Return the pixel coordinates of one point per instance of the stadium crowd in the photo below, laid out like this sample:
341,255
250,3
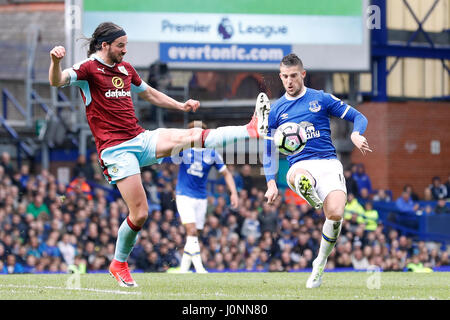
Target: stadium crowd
46,226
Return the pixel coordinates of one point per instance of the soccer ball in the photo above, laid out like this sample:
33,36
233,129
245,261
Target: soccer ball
290,138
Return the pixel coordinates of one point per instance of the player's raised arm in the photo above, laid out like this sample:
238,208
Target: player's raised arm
56,76
160,99
339,109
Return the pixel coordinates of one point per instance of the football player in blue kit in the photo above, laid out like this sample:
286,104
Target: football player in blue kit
191,197
315,173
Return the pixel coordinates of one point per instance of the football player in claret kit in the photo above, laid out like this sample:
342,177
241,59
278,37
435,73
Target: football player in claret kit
191,197
123,146
315,173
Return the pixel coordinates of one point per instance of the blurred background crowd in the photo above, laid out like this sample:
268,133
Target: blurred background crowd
46,226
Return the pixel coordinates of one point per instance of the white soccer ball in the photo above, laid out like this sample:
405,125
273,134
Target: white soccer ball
290,138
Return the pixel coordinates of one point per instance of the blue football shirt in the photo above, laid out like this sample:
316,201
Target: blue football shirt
194,169
313,108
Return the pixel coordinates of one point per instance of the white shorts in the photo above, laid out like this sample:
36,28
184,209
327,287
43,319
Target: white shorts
328,173
127,158
192,210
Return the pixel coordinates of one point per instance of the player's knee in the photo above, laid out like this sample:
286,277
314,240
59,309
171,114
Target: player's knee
334,212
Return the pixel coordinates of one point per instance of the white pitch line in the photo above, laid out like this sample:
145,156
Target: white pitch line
75,289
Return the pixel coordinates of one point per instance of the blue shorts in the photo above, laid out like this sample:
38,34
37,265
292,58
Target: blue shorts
127,158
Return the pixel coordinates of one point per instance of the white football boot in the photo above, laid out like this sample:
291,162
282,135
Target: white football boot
315,279
262,109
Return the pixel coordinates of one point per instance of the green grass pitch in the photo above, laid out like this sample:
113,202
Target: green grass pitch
229,286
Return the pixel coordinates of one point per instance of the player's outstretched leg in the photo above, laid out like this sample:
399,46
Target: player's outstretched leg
171,141
256,128
334,209
304,187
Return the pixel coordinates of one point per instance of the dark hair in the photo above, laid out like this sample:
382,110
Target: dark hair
291,60
103,29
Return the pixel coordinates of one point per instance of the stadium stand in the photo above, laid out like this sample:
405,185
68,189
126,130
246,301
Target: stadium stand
50,227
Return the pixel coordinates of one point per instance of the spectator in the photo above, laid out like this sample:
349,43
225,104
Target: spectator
150,187
167,198
353,207
67,250
370,216
83,167
50,248
247,180
362,179
6,163
441,206
438,190
152,264
364,195
268,218
80,187
12,266
3,269
359,261
447,186
251,225
405,204
408,188
350,183
30,264
381,195
24,174
38,207
286,241
97,172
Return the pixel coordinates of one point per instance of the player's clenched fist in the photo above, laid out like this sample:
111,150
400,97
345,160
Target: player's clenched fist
191,105
57,53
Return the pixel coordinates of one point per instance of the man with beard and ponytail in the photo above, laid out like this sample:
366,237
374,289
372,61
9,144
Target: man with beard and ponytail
123,146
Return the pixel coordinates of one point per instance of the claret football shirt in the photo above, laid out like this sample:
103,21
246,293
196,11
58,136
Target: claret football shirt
106,92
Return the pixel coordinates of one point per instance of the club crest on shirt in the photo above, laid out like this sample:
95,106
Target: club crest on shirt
314,106
114,169
284,116
123,70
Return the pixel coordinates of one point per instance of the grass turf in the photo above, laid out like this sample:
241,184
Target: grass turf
229,286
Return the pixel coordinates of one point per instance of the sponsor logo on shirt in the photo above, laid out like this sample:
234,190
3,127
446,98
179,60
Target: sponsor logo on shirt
117,82
311,131
117,93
